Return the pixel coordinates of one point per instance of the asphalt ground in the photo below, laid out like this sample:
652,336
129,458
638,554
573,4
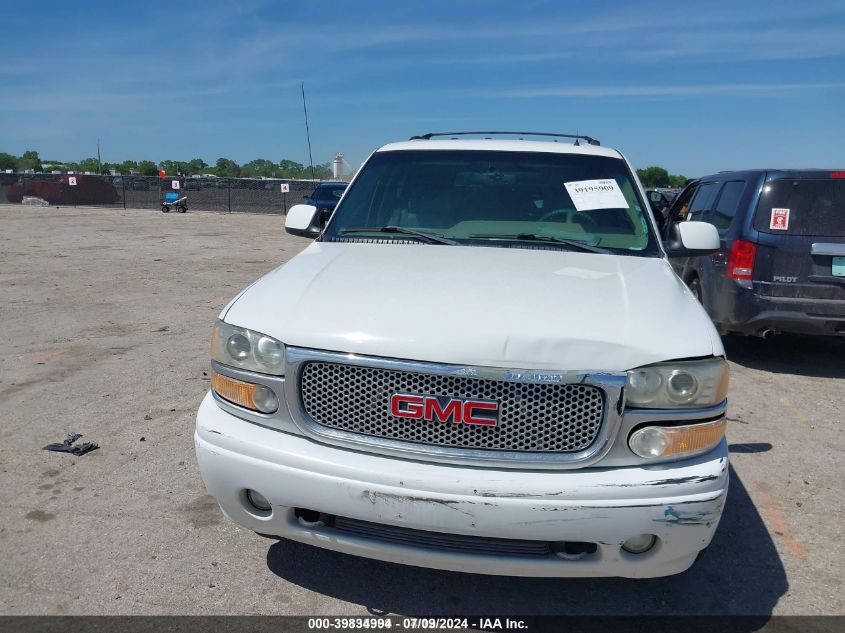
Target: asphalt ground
106,317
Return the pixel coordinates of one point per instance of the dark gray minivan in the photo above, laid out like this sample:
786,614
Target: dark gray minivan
781,266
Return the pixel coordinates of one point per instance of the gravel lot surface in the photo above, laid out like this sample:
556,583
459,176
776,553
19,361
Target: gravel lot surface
106,320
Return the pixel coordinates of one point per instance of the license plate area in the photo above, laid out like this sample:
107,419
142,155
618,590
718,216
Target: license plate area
838,267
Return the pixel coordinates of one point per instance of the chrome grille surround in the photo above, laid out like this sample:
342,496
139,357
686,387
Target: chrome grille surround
532,404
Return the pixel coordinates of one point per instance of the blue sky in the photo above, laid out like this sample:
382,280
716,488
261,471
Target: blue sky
694,88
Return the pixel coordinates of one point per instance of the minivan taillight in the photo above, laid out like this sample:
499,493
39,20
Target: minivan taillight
741,259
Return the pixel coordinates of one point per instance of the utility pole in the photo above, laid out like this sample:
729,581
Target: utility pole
307,131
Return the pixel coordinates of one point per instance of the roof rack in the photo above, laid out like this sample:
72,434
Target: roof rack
589,139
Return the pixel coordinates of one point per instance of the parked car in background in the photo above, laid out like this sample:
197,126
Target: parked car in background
781,265
660,199
326,195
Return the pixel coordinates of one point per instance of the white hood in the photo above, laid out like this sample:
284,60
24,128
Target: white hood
486,306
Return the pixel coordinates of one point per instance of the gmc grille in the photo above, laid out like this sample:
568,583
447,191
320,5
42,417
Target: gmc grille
540,418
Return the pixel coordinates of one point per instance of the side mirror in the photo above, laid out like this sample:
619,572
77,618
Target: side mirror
691,239
304,220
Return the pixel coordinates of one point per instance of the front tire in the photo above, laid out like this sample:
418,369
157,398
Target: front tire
165,208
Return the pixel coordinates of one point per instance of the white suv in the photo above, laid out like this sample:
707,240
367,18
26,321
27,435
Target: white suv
484,363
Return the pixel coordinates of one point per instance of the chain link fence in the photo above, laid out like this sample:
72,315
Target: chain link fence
147,192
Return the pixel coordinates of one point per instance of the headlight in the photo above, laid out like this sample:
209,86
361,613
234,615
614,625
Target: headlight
678,385
239,347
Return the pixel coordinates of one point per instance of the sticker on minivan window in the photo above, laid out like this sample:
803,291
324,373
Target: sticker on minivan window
780,219
588,195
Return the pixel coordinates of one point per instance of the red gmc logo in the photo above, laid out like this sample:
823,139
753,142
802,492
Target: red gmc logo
444,409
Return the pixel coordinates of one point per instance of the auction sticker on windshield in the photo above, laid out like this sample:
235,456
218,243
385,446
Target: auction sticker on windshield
588,195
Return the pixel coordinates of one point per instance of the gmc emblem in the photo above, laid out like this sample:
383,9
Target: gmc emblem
444,409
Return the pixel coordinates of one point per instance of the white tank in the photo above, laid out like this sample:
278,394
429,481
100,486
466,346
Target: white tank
337,167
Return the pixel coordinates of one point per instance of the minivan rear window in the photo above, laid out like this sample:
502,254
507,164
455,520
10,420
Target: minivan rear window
803,207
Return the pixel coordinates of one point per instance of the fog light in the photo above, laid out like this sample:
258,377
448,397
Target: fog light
639,544
258,501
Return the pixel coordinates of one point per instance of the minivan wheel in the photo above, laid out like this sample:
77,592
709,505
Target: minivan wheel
695,288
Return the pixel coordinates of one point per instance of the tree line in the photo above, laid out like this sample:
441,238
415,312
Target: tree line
659,177
224,167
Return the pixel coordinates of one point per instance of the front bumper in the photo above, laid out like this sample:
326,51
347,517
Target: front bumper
680,502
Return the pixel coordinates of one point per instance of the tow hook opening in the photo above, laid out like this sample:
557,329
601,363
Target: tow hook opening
573,550
310,518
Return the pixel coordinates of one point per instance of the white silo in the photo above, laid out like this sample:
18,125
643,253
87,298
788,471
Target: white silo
337,167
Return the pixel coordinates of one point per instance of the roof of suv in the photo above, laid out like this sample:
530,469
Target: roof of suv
502,146
789,173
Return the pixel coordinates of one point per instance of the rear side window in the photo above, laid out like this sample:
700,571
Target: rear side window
328,193
703,200
728,204
802,207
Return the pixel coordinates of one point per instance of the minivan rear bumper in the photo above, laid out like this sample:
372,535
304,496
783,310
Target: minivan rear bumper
748,312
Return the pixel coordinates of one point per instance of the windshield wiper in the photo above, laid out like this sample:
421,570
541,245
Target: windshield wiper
535,237
431,238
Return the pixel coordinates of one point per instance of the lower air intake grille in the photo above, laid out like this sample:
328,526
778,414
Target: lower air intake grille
438,540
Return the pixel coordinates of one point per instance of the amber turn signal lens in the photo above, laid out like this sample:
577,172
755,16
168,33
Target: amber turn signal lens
677,441
245,394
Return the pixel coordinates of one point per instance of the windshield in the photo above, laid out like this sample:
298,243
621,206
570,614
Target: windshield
492,198
802,207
